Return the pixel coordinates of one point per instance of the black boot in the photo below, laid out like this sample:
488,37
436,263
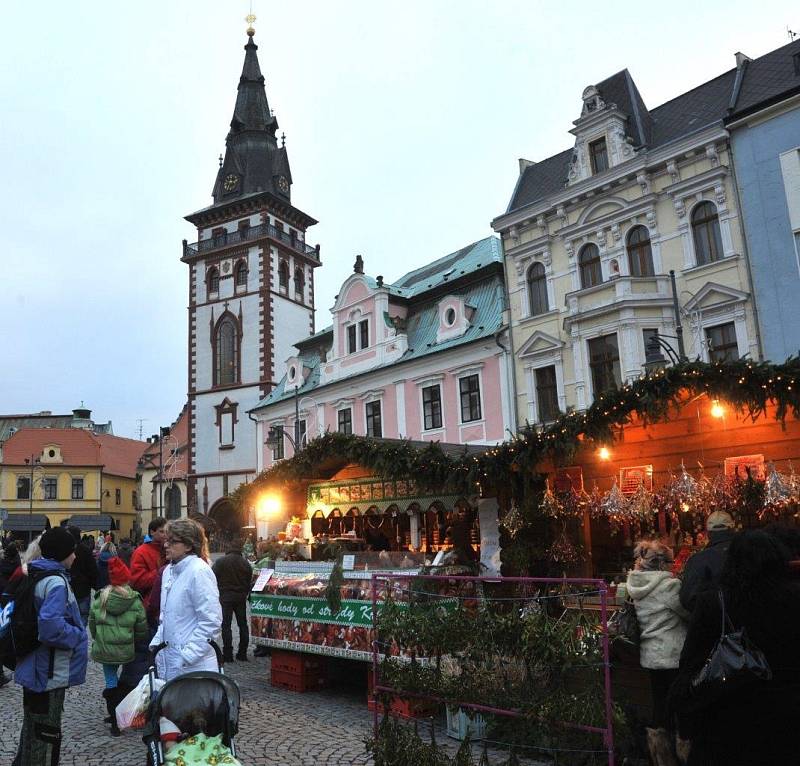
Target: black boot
227,655
110,696
241,655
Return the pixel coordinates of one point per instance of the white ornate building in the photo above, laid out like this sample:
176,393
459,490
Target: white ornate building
251,295
591,234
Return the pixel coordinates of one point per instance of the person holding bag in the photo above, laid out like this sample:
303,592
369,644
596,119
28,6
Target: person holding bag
191,614
751,721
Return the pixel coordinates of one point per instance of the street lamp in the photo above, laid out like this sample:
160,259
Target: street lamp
35,464
654,359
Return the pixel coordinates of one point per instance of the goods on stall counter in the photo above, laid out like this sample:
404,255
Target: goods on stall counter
294,529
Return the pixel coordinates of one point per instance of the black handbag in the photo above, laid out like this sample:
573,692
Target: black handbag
733,663
624,624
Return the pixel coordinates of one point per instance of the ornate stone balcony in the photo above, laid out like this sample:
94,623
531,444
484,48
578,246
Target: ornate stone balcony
232,238
615,293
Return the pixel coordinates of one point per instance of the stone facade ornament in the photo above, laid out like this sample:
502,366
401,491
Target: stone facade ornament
713,156
672,169
644,182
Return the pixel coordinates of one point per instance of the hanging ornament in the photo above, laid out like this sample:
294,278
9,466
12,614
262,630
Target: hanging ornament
512,522
777,490
686,485
640,503
550,506
614,505
563,551
594,502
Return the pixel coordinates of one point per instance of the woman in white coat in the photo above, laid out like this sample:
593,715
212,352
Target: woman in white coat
663,624
190,609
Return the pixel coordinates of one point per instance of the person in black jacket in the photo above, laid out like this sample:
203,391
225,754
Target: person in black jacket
9,562
703,570
752,725
83,575
234,578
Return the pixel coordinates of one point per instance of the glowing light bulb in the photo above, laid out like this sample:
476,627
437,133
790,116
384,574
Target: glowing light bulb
685,507
717,410
604,453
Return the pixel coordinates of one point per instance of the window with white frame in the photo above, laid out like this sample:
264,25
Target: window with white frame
344,421
77,488
357,336
372,411
640,254
50,487
537,290
604,363
546,393
589,264
432,407
277,450
722,345
469,389
706,234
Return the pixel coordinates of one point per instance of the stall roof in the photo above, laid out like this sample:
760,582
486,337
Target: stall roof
26,522
92,522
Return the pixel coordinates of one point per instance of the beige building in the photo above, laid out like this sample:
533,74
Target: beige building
591,234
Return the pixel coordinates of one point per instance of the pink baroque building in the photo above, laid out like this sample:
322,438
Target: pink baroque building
425,357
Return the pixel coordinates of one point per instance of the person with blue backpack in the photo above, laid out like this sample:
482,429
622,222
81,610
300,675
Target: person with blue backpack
56,651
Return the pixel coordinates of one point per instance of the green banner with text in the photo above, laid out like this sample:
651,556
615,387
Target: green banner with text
311,609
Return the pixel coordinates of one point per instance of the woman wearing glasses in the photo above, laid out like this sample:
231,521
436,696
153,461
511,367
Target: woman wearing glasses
190,608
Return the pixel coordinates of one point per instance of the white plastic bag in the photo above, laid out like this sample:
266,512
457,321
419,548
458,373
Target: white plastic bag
132,711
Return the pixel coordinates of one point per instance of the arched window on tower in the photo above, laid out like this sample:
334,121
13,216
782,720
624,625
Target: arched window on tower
240,275
589,263
212,280
299,283
705,229
283,276
640,254
227,340
537,290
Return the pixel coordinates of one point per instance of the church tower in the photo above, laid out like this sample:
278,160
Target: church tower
251,295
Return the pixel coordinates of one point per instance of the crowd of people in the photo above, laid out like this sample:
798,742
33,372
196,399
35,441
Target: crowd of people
741,580
120,606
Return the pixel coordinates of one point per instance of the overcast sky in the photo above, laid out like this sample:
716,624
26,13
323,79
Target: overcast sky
404,122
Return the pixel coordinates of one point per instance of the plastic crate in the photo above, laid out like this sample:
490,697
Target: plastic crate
295,682
459,724
298,663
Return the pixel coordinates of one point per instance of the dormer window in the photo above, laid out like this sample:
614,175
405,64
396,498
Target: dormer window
598,153
358,336
363,333
450,317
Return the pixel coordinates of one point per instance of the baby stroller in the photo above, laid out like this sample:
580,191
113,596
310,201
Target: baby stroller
214,695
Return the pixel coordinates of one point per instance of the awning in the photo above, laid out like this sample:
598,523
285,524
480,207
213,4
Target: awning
26,522
92,522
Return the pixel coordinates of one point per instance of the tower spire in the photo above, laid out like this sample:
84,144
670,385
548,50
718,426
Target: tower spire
253,160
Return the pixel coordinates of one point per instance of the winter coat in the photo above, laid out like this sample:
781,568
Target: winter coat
83,572
145,562
754,725
115,632
190,615
703,570
234,577
153,604
8,564
102,569
125,551
661,617
61,658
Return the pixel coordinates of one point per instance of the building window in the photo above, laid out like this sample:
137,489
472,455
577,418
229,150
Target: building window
640,254
450,317
212,279
604,363
344,418
546,393
705,230
23,488
432,407
537,290
240,277
77,489
226,351
351,339
299,284
599,155
50,487
722,345
277,450
118,497
363,333
373,412
283,276
135,500
301,434
589,263
469,388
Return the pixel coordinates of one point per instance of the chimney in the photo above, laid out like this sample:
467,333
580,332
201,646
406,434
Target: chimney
523,164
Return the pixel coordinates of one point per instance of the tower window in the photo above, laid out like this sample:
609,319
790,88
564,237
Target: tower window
299,283
283,276
226,351
599,155
640,254
212,280
240,276
705,230
589,263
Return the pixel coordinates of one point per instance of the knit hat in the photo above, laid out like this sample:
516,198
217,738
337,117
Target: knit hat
56,544
118,573
718,521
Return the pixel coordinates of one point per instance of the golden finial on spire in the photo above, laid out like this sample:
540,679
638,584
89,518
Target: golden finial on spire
250,19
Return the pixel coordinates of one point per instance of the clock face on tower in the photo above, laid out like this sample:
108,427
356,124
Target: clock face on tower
283,184
230,183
